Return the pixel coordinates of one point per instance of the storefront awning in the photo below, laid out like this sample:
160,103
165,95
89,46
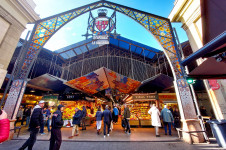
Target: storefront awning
210,69
47,82
156,83
103,79
214,67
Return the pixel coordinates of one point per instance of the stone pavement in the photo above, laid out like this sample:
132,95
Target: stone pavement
140,139
118,134
73,145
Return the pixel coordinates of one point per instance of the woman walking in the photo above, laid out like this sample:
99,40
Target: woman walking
98,120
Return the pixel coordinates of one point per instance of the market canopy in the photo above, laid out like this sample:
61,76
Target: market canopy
47,82
156,83
102,79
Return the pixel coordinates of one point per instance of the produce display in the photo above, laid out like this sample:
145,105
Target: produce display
70,106
139,111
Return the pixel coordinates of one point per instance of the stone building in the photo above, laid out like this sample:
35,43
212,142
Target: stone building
14,15
203,21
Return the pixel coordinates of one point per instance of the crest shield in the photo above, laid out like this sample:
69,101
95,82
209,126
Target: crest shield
101,23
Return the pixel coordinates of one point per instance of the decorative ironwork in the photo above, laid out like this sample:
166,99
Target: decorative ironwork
160,27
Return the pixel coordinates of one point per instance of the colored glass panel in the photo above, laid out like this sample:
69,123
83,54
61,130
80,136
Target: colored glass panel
41,32
49,24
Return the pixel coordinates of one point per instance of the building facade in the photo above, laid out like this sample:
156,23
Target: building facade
203,20
14,15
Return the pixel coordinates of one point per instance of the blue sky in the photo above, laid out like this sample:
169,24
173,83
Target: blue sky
71,32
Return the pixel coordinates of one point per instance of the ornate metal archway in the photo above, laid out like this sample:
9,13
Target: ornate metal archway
158,26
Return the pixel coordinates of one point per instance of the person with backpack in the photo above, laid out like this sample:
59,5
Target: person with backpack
57,123
35,123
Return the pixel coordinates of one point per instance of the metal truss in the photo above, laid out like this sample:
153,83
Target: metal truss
44,29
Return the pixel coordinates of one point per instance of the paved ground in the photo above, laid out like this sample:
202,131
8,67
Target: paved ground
118,134
72,145
140,139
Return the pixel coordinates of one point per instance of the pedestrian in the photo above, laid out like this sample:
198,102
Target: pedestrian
167,119
98,120
155,119
28,115
19,115
4,126
24,116
127,118
171,109
44,122
176,116
203,111
116,113
107,120
76,122
57,123
48,115
111,121
35,123
84,113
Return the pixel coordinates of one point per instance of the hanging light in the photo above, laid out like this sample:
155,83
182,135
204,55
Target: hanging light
32,91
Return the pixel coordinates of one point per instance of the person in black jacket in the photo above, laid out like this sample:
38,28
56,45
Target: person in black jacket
57,123
84,113
28,116
76,121
35,123
107,119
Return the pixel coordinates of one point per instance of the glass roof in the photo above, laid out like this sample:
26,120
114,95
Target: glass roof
86,45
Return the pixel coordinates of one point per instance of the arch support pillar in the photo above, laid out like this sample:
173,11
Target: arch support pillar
189,119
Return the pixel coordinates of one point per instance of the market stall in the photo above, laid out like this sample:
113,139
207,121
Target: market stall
139,104
70,106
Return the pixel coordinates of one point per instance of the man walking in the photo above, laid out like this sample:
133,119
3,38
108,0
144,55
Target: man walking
155,119
107,120
84,112
19,116
48,115
127,118
57,123
167,119
115,111
35,123
76,122
28,115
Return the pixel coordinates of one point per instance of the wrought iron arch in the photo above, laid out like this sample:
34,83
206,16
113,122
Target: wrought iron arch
158,26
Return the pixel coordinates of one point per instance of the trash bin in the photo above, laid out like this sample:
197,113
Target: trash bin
219,131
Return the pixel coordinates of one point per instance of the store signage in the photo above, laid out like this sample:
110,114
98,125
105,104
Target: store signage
214,85
144,97
100,39
167,97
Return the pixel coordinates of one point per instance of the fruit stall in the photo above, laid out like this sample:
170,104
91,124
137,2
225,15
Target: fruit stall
69,111
139,104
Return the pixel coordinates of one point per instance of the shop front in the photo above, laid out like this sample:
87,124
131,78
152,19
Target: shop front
139,105
70,103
